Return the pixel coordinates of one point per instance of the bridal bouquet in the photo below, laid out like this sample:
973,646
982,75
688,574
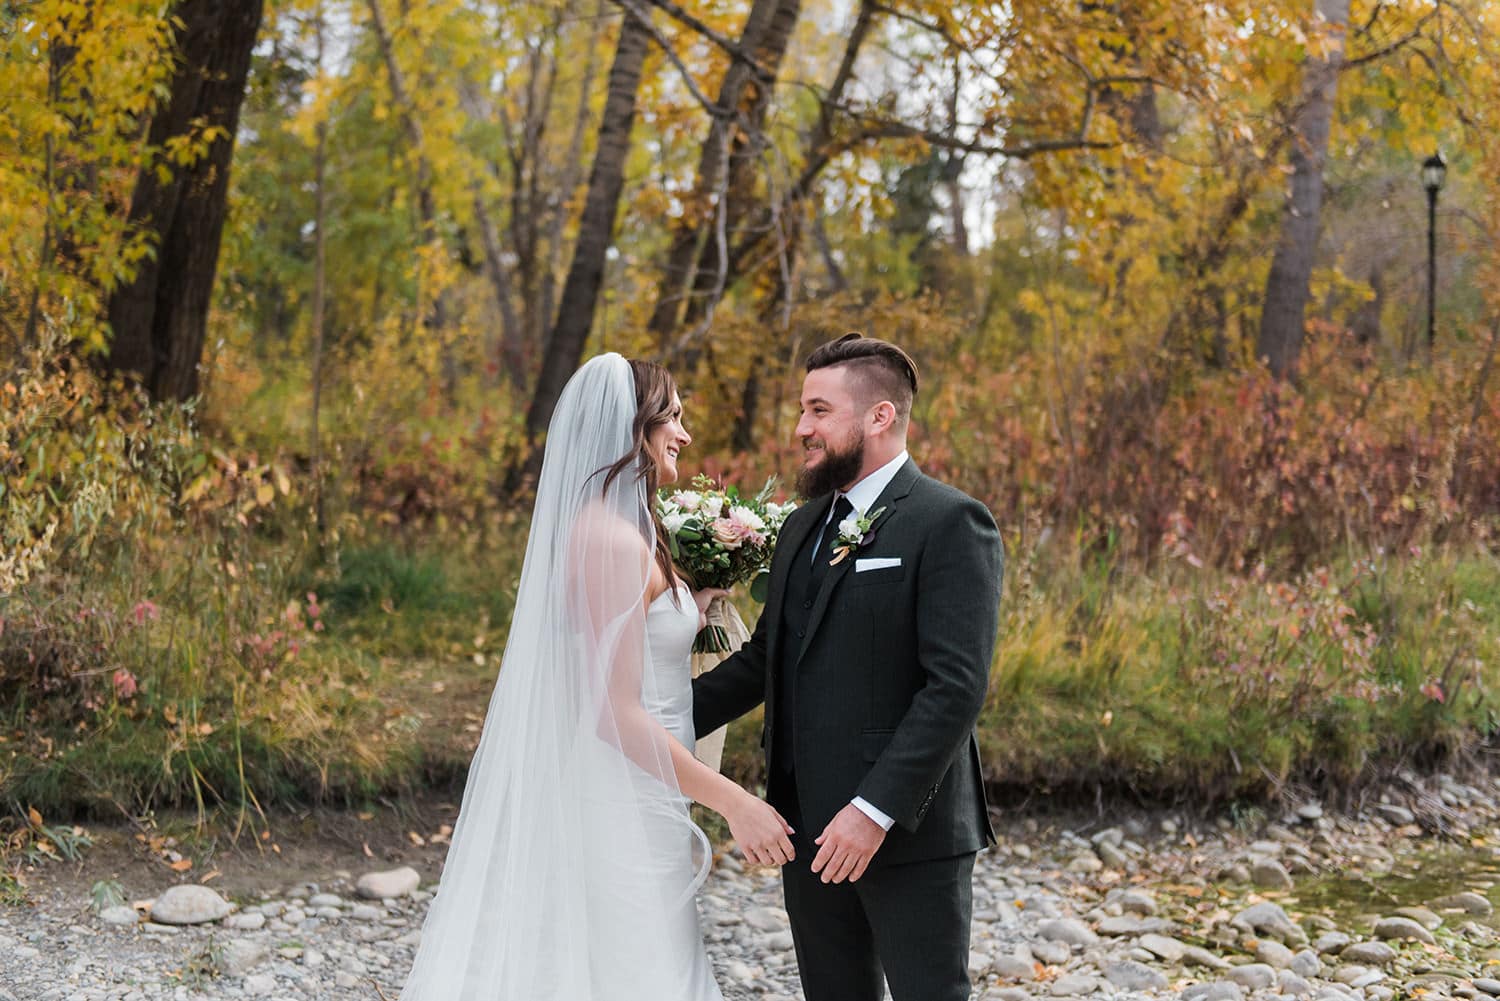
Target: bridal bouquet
721,539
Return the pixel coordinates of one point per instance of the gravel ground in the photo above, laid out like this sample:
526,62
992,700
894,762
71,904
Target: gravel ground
1152,907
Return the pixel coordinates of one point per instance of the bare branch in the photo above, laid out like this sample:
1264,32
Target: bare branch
731,48
643,18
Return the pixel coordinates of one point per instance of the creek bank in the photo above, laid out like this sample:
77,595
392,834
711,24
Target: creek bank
1305,904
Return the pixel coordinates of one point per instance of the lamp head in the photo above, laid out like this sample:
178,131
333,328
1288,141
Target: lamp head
1434,170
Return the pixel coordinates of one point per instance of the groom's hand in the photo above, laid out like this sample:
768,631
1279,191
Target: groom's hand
846,846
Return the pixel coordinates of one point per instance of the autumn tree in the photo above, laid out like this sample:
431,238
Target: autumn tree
159,317
1283,313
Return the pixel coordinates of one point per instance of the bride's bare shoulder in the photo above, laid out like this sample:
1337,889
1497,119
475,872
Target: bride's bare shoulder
600,532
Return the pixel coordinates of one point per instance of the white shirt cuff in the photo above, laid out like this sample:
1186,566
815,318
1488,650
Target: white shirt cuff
874,813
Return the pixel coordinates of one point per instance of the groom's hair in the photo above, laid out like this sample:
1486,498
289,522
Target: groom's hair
878,369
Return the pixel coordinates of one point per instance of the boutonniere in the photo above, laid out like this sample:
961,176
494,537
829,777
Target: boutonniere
854,531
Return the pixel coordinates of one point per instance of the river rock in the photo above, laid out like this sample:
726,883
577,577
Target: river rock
1074,985
1349,973
1490,987
1138,902
1216,990
325,900
1068,930
1402,928
1273,954
1199,956
189,904
979,964
259,983
1112,856
390,883
1008,994
1132,976
767,919
241,955
1467,902
120,916
1012,968
1290,983
253,921
1163,947
1052,953
1421,915
1269,919
1113,836
1127,924
1269,874
1252,976
1310,811
1332,943
1369,953
1306,964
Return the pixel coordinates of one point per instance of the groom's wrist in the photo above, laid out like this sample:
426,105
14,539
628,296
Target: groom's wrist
874,812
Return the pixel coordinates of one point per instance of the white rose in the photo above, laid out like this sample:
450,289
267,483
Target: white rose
688,500
746,518
713,506
673,521
849,527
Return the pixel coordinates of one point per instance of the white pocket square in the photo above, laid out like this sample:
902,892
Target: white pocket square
876,563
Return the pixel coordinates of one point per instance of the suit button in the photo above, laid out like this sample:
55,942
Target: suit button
807,604
801,633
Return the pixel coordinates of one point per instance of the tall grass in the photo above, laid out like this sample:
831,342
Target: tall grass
1197,684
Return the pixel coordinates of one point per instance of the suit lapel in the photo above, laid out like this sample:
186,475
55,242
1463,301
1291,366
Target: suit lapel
890,498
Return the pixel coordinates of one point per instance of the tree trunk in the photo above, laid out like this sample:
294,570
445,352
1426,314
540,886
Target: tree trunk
724,166
160,317
819,150
580,293
320,282
1283,314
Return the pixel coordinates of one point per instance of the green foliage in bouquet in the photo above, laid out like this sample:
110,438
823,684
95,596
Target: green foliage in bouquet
721,539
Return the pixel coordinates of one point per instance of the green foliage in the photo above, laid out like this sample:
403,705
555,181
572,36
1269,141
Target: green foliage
106,893
1206,686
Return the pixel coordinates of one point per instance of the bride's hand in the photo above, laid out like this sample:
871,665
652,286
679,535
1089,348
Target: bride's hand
703,598
761,832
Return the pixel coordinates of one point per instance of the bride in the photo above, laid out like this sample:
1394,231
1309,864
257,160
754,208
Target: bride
574,864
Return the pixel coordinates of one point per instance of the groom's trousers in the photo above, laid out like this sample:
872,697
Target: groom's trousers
907,924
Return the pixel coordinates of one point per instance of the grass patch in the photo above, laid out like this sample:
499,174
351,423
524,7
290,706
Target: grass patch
1198,685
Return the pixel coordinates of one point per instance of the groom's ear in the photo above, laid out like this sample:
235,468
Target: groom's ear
883,415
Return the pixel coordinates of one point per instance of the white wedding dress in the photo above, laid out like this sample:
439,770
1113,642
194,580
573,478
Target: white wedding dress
574,864
667,694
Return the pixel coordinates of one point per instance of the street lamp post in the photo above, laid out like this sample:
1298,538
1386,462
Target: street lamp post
1433,172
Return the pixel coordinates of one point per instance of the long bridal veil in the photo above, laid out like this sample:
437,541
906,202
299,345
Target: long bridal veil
573,856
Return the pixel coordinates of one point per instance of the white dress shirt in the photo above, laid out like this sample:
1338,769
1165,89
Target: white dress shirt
862,496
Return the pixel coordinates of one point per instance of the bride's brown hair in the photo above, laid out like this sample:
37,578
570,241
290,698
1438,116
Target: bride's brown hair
654,391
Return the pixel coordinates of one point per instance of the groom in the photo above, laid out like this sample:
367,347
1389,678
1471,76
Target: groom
872,657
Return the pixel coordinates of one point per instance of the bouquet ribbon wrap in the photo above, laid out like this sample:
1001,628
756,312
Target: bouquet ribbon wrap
725,623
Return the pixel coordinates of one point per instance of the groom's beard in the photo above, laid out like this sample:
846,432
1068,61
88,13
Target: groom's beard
837,470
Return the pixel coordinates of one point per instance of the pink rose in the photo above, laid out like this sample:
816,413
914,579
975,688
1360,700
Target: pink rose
728,534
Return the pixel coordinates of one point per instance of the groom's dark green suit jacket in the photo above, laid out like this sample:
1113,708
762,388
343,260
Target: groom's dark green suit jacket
891,674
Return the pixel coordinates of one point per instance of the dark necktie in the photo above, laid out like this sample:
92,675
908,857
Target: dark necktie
823,549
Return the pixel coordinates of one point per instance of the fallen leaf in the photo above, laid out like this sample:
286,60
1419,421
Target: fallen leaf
181,865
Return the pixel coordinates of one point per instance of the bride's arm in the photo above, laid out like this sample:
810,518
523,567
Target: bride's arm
613,568
759,829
